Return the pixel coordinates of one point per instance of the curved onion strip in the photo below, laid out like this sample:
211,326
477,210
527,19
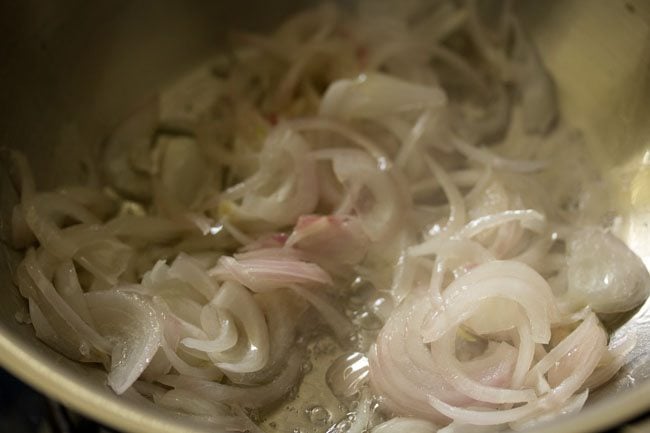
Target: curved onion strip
346,98
466,249
131,322
356,170
586,359
41,214
529,218
250,397
586,328
294,196
330,238
67,285
340,128
457,214
236,299
63,339
103,256
615,359
500,279
442,352
411,142
572,405
411,425
283,312
261,275
401,367
186,269
484,156
60,306
224,336
214,414
207,372
526,354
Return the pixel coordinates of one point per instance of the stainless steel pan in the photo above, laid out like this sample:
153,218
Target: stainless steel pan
69,69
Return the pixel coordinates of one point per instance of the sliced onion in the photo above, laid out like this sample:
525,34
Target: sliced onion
499,279
468,250
457,214
604,273
444,359
220,326
340,128
285,162
33,283
206,372
43,213
235,298
67,285
529,218
357,170
261,275
93,199
374,95
250,397
283,312
334,239
102,255
63,340
486,157
188,270
411,425
131,323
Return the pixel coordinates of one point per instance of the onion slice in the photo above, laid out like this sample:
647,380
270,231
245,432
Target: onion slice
131,323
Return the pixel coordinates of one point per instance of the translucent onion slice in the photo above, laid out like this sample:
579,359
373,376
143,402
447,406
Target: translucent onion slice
604,273
444,359
283,312
102,255
400,424
188,270
466,249
132,325
63,340
509,280
250,397
375,95
486,157
205,371
528,218
403,371
220,326
67,285
612,360
380,210
45,211
457,212
330,238
215,414
235,298
285,186
261,275
33,283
